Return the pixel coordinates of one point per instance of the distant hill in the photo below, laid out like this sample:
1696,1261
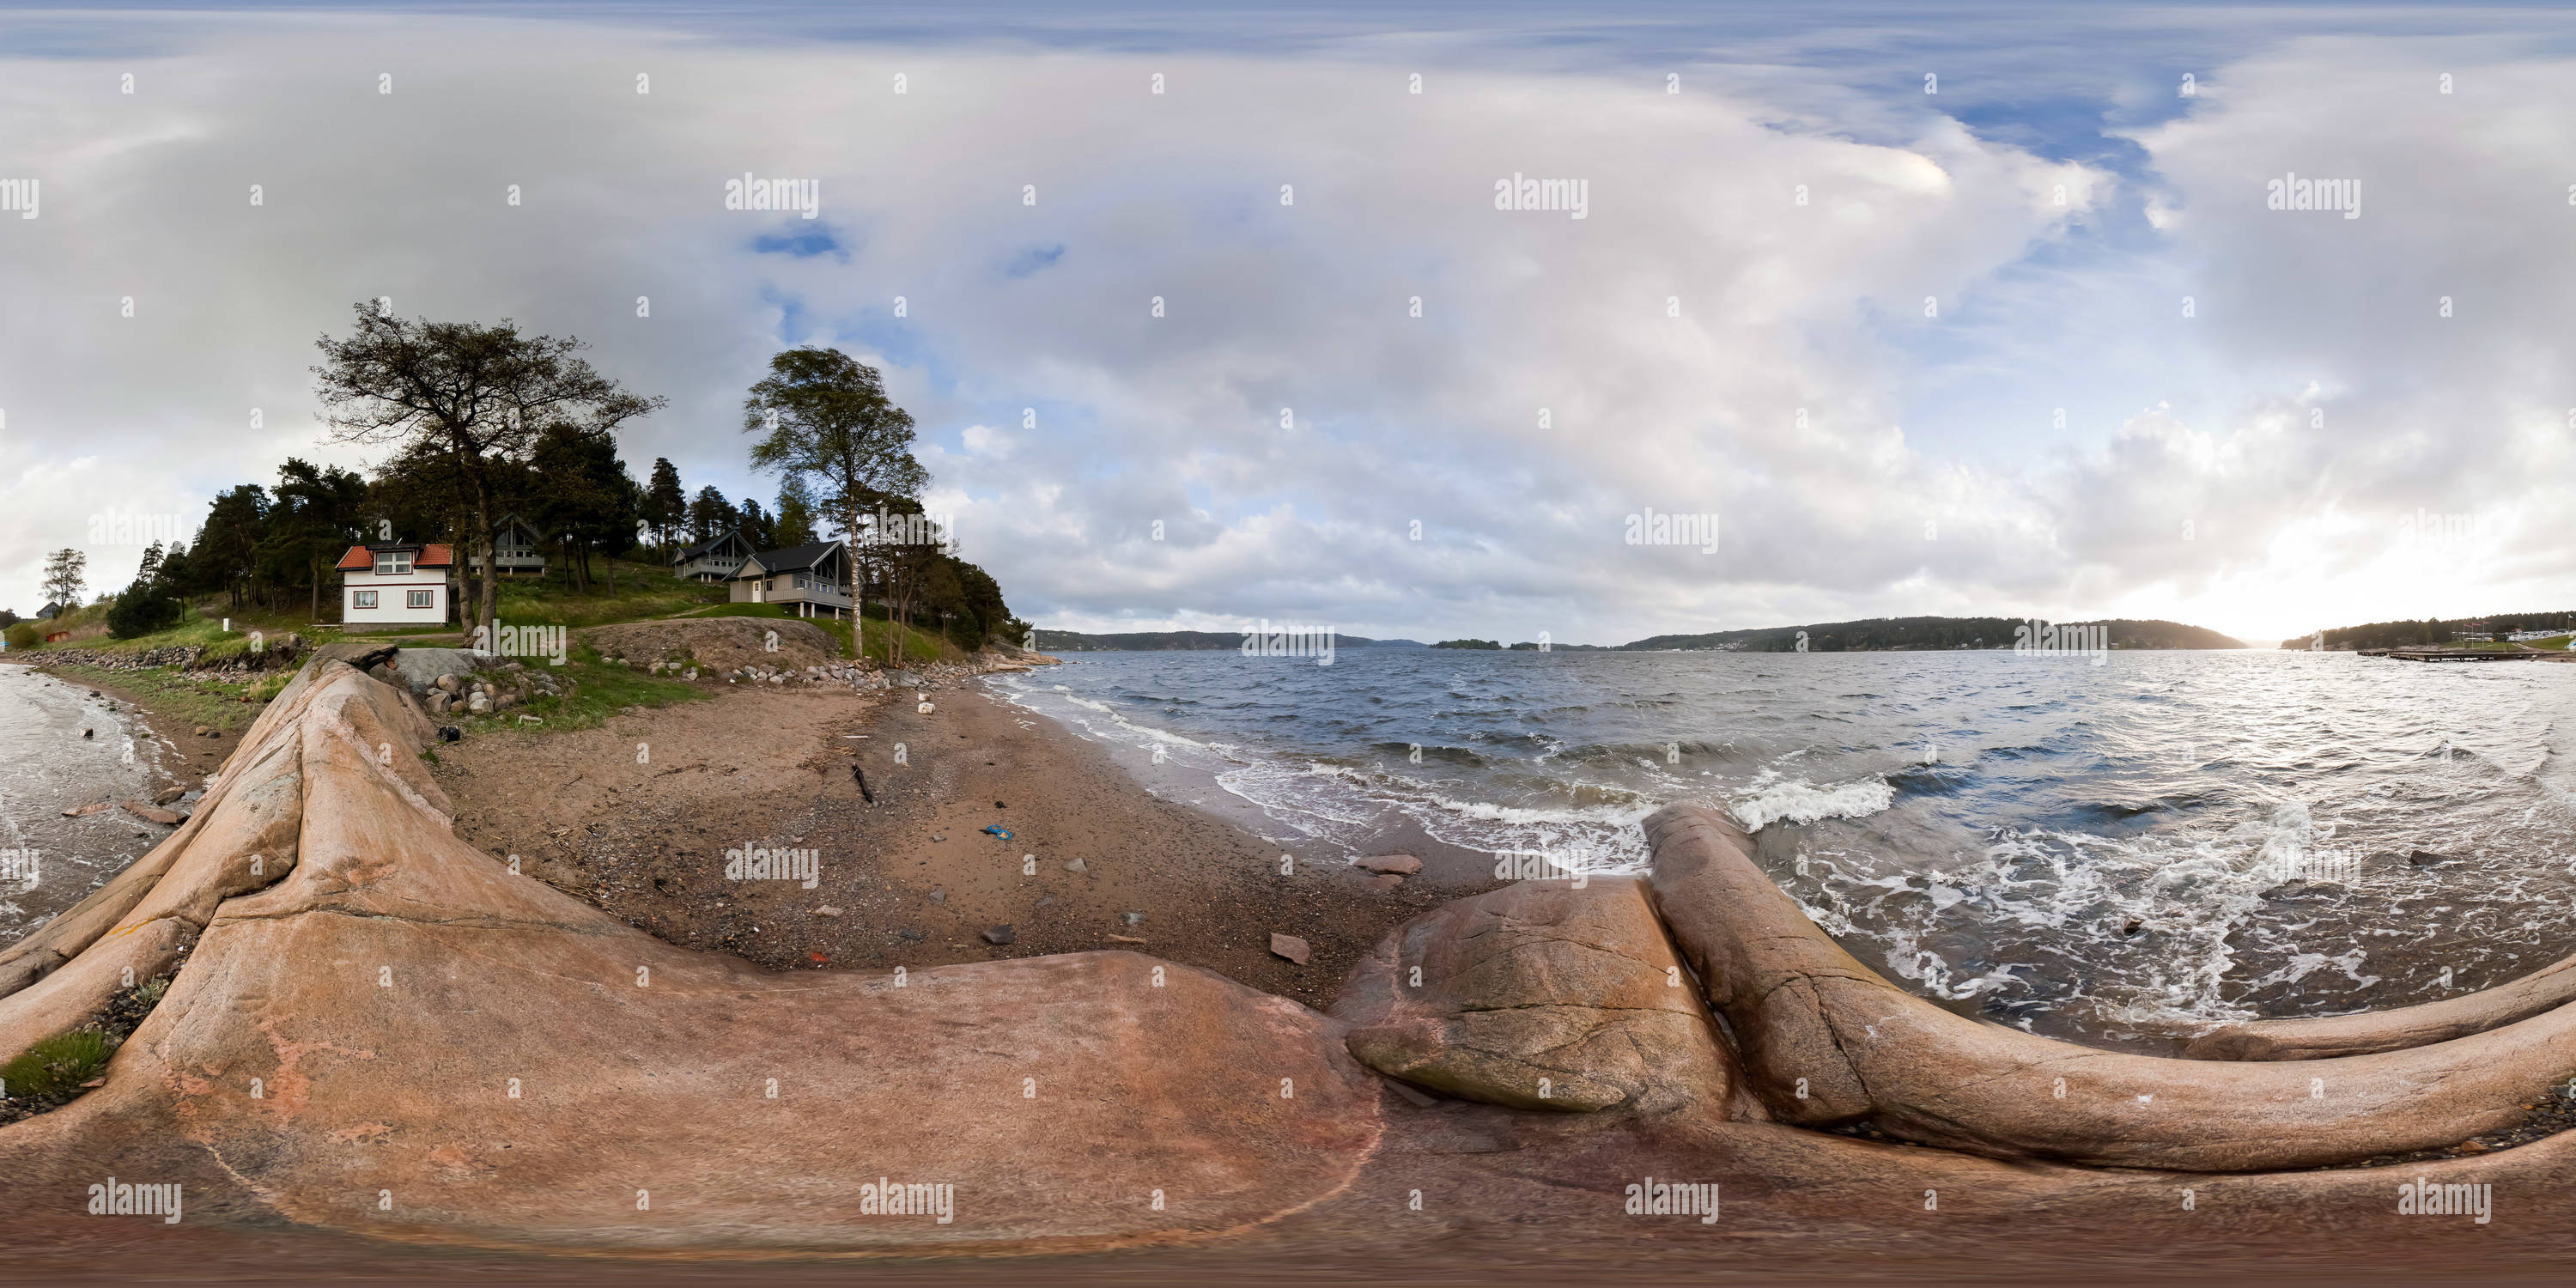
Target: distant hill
1180,641
2430,630
1878,634
1881,634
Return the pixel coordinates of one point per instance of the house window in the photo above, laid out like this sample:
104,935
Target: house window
420,599
396,564
362,599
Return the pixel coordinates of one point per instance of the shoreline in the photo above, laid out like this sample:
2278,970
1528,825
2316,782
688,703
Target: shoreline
645,1064
912,880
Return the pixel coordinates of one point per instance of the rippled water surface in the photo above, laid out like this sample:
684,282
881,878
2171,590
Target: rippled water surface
2157,842
46,766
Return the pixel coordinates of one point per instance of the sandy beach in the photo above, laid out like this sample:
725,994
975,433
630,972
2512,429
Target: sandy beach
639,817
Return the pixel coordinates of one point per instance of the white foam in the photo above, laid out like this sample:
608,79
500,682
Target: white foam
1770,799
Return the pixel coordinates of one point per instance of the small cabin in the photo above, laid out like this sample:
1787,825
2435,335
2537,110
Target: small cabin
517,547
396,583
713,561
809,581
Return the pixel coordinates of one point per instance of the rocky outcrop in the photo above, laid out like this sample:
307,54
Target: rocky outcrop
1541,995
1827,1041
2543,990
382,1030
717,645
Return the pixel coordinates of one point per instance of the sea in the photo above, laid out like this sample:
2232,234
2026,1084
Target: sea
2119,847
61,748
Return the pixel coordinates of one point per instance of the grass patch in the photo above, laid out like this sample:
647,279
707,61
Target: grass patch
169,693
49,1074
643,591
201,626
53,1070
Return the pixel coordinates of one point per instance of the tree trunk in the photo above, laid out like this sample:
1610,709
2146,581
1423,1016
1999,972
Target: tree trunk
315,567
487,592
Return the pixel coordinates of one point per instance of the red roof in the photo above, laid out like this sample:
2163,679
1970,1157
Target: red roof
362,558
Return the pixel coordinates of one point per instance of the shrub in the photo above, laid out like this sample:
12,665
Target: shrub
141,611
24,635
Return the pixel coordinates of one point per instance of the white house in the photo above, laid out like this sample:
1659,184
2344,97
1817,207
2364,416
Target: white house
716,560
517,547
809,581
396,583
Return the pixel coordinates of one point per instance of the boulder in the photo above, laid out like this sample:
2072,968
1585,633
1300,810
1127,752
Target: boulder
1540,995
1403,865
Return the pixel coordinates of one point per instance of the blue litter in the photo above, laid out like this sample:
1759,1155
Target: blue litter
1002,832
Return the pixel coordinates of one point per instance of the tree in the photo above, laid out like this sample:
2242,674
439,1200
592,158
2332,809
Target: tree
477,397
317,509
146,605
795,518
665,506
711,514
757,527
825,414
585,496
66,575
226,557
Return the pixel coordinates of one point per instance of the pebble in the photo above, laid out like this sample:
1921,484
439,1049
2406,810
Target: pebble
1290,947
999,935
1075,865
827,912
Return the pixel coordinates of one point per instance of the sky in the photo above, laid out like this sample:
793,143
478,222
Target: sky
1209,317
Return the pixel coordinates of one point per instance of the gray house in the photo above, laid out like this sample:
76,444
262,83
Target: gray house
712,561
517,547
809,581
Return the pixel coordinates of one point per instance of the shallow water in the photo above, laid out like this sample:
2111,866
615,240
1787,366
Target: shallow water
1986,827
46,766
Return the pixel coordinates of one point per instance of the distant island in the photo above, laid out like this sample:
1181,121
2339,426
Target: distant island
2438,631
1877,634
1177,641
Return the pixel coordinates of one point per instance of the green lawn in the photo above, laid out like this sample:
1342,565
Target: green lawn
644,591
166,690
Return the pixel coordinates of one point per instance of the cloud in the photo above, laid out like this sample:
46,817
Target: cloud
1276,310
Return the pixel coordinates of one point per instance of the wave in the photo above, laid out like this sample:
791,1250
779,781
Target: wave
1770,798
